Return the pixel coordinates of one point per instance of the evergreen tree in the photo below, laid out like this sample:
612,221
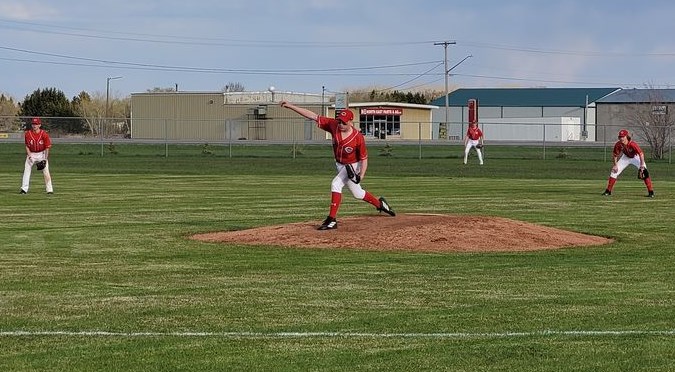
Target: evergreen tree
52,104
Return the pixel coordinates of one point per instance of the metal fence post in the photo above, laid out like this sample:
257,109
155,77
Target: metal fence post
166,138
228,136
604,143
101,126
419,138
544,143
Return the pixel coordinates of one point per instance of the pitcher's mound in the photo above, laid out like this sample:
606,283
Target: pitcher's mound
412,232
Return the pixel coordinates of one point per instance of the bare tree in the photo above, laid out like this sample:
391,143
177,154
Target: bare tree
233,87
388,95
8,111
162,90
651,116
91,108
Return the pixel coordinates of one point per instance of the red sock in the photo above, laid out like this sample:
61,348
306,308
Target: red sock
335,199
648,183
370,198
610,183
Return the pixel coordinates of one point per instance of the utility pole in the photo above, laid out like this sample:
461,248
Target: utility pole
107,99
446,71
323,96
107,92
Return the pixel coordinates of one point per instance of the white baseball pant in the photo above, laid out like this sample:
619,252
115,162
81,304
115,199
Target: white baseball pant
28,166
341,180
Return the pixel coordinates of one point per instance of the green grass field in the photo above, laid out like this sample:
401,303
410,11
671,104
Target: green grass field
101,276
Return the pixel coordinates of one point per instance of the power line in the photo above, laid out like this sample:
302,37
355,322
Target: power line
226,42
565,52
204,41
411,80
120,64
551,81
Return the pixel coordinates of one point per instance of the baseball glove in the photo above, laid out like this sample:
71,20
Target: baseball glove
353,176
643,174
41,165
479,146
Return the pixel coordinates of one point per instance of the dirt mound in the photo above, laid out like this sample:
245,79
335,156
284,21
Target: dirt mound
412,232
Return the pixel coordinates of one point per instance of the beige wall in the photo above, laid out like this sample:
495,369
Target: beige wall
415,122
205,117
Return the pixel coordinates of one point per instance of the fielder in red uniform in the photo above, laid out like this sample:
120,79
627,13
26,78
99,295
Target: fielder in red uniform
38,144
349,148
473,137
627,152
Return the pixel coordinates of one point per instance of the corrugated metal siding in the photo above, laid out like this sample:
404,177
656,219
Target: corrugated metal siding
416,123
204,117
612,117
198,117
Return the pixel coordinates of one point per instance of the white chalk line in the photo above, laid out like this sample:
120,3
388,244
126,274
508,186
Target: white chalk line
450,335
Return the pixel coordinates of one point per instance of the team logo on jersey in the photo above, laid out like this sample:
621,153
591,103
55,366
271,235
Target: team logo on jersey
348,149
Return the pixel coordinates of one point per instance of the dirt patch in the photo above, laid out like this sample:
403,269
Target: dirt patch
412,232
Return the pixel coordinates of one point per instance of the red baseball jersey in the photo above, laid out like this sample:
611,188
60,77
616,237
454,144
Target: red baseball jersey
37,142
349,149
631,149
474,133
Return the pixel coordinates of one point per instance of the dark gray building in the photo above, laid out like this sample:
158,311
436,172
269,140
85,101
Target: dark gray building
637,110
555,114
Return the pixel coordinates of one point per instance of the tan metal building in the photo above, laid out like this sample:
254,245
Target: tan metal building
225,116
393,120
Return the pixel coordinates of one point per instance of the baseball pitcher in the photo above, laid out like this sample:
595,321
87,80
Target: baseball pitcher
351,161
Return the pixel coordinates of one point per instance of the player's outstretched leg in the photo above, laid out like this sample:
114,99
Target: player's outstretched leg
385,207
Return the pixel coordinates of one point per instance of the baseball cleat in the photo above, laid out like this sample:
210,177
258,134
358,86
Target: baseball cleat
329,223
651,194
384,207
607,193
22,191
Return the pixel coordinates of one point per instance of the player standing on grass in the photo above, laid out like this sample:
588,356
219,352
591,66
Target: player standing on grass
473,138
627,152
349,148
38,144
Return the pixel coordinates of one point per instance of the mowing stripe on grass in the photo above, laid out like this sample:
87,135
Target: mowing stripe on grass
338,334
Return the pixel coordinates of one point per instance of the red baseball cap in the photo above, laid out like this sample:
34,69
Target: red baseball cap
36,121
345,116
623,133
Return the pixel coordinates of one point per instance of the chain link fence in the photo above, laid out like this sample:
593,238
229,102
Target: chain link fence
234,134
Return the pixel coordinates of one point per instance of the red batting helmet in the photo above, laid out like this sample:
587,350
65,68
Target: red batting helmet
36,121
623,133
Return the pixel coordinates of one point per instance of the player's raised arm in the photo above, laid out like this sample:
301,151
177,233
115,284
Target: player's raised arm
304,112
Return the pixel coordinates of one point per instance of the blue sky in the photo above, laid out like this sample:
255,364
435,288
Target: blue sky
339,45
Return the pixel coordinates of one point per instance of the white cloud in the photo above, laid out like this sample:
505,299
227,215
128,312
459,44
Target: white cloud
26,11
